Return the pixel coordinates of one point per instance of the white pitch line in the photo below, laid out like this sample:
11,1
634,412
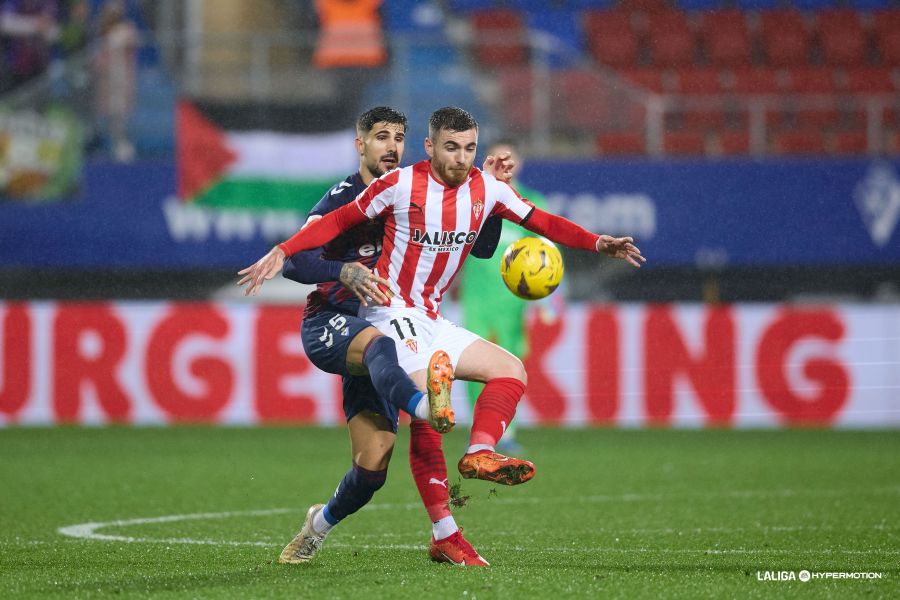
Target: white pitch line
90,531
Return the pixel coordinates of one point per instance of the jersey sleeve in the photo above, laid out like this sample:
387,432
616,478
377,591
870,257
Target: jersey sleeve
308,266
509,205
380,195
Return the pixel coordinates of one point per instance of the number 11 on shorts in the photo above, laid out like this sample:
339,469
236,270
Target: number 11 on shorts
409,324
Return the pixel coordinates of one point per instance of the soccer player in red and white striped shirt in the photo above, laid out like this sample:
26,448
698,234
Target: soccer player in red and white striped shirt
433,212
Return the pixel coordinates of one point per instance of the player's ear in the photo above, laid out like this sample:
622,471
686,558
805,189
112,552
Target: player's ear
359,146
429,147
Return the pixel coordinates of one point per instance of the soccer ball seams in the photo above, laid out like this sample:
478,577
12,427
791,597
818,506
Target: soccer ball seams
531,268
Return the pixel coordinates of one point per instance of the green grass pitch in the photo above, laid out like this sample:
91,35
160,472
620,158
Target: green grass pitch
195,512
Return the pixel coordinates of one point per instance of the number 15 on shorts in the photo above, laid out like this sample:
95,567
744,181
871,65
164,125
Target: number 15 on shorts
337,322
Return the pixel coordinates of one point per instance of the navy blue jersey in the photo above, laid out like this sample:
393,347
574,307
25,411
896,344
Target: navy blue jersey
361,244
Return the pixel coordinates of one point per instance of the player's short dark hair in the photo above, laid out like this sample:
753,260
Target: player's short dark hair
379,114
452,118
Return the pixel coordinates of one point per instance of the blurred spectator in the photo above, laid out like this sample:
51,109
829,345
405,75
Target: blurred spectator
350,34
115,67
75,25
28,29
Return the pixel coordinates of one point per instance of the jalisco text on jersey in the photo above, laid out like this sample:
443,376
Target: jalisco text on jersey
443,238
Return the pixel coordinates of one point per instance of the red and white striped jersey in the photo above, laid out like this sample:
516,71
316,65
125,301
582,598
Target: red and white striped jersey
429,228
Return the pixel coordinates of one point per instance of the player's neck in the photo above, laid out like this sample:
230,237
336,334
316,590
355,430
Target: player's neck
366,175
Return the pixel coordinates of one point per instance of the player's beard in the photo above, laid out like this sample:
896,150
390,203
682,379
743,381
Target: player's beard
376,168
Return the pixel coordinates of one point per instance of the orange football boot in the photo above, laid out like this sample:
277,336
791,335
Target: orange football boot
457,550
490,466
440,378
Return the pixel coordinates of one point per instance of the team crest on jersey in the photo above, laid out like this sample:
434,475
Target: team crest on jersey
478,207
412,345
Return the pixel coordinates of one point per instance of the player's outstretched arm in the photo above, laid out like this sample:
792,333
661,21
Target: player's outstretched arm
567,233
313,235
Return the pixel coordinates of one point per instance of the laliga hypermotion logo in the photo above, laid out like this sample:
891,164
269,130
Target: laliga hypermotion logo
877,198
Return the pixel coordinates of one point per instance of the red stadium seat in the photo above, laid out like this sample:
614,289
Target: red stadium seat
886,31
684,143
582,100
798,142
726,37
888,44
698,81
670,39
784,37
499,38
515,88
811,80
621,143
841,37
759,80
649,78
849,142
645,6
610,37
731,142
870,80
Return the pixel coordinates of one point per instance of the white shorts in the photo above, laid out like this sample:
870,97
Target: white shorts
418,337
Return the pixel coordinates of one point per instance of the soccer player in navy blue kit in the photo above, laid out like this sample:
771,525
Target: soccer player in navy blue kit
375,387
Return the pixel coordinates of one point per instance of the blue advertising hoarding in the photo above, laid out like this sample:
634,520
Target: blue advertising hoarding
707,213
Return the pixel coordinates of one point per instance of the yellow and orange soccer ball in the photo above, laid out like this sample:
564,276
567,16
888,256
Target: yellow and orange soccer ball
531,268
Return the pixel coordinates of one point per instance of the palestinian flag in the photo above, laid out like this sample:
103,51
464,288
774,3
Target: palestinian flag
254,169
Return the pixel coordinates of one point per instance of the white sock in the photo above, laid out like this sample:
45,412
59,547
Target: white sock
444,528
477,447
319,524
422,409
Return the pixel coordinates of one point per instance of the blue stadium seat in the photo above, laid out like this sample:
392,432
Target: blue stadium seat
409,15
699,4
868,5
152,126
761,4
467,6
815,4
564,26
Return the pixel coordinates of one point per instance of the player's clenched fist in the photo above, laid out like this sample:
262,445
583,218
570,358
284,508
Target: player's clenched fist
265,268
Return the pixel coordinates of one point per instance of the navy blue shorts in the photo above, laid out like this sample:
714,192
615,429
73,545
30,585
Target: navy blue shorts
326,339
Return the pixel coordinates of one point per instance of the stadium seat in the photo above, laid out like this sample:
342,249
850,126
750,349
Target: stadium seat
684,143
621,143
870,80
499,35
886,32
888,44
759,4
733,142
699,5
582,99
726,37
670,39
515,89
798,142
759,80
811,80
647,78
784,37
644,6
841,37
562,27
610,38
698,81
849,142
